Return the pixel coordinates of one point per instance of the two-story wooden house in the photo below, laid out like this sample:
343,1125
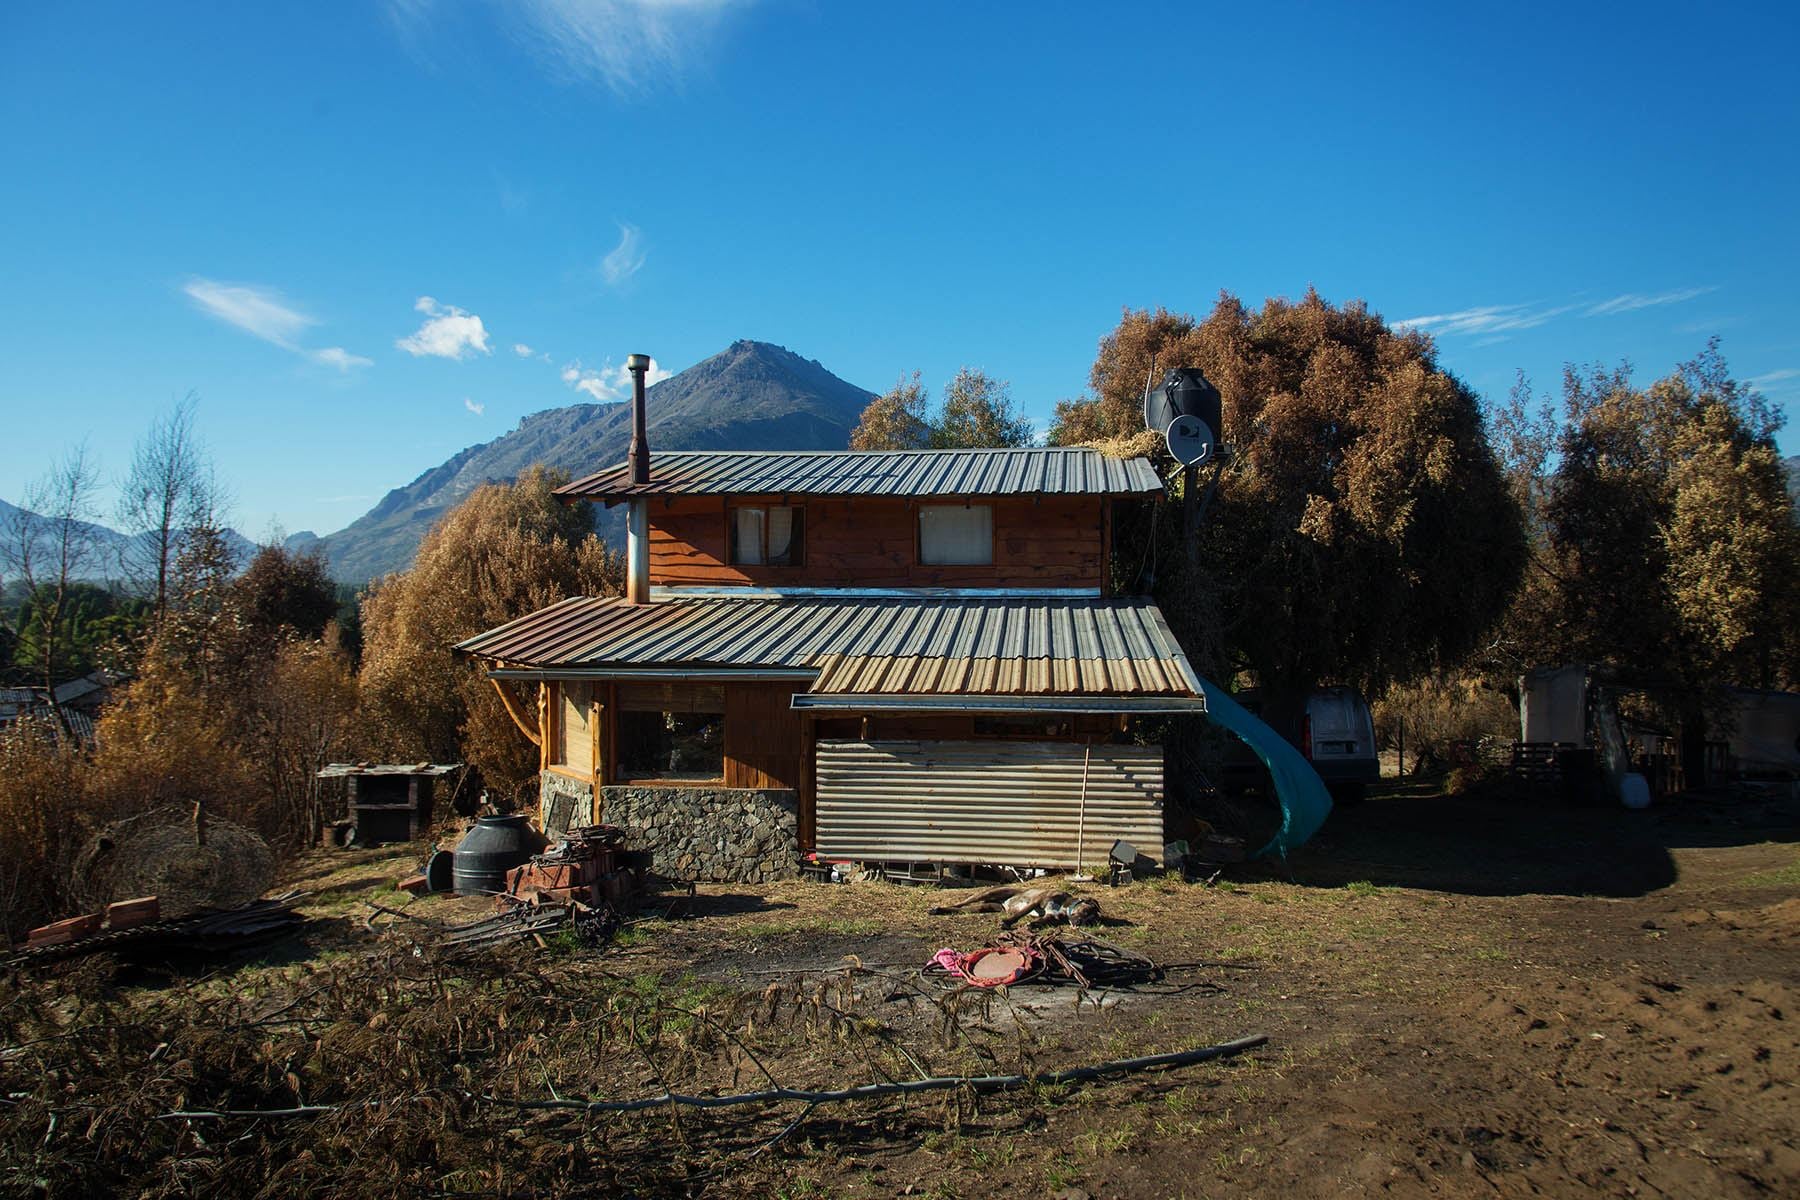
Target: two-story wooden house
909,656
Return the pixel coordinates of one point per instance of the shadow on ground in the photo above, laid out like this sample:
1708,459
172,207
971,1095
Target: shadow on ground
1413,836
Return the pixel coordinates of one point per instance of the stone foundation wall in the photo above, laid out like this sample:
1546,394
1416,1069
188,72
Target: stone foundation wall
555,789
725,835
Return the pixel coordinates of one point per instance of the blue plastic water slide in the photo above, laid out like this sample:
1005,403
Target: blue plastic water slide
1304,801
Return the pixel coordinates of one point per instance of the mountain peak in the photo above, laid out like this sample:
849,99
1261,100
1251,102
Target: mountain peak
750,396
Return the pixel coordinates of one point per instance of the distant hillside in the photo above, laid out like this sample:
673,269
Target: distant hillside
107,546
752,396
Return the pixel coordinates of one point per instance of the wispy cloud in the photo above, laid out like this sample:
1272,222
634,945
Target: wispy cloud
473,407
521,349
627,258
1771,378
342,359
1632,301
610,382
259,311
265,313
448,332
1488,319
1494,322
629,45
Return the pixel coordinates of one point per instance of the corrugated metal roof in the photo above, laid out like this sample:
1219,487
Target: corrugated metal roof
962,646
1011,472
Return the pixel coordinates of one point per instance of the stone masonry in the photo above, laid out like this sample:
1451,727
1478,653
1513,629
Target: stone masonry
553,785
726,835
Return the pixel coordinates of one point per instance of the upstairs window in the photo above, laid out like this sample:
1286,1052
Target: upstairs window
956,535
768,535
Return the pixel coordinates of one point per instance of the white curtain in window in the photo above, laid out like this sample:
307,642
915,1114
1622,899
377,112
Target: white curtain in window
749,536
956,534
781,533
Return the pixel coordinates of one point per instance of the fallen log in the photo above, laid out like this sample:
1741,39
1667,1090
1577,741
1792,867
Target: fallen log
784,1095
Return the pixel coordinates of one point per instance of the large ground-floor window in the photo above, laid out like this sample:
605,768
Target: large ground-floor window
671,732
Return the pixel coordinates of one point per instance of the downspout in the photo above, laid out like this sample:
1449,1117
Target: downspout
637,512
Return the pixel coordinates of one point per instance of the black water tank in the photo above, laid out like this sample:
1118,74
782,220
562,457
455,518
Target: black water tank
492,848
1184,392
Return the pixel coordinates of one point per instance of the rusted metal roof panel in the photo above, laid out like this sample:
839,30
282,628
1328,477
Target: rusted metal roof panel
1028,471
955,645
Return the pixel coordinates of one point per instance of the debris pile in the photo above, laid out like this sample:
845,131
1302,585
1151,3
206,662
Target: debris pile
132,930
589,865
1014,958
594,927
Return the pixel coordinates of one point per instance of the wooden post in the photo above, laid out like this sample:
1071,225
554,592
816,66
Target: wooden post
1106,524
809,808
1190,510
1087,754
546,730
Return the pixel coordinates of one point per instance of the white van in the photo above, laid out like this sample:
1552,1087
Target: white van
1337,736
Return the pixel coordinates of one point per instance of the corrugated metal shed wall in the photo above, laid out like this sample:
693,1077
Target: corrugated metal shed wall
989,802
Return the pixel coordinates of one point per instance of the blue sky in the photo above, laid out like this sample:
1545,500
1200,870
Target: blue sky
340,223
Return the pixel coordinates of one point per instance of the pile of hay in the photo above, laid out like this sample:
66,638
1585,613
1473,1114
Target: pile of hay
189,864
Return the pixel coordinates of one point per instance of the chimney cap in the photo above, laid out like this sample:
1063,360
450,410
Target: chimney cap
637,362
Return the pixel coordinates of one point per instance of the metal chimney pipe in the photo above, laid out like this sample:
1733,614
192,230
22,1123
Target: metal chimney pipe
637,511
639,457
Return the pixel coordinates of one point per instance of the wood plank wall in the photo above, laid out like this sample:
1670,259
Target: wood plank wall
765,738
1051,541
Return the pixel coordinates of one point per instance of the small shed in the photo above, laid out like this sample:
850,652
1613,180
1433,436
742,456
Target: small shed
388,802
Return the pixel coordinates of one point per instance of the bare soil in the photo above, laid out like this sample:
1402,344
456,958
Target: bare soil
1462,997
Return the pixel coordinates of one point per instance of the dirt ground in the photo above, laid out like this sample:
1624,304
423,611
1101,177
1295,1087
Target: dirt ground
1462,997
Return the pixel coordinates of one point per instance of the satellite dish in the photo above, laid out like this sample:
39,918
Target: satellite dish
1186,410
1190,441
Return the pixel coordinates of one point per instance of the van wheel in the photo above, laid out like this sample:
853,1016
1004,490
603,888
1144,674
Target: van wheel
1348,794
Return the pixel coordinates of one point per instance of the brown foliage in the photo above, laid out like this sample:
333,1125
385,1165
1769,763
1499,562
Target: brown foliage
1664,539
505,551
44,821
162,743
978,413
216,717
281,590
1362,530
895,420
1436,712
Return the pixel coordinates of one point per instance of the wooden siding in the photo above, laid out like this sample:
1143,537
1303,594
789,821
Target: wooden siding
765,738
1055,541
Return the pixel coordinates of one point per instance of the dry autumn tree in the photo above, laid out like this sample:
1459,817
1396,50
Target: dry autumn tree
1362,531
978,413
49,547
507,550
1663,538
169,490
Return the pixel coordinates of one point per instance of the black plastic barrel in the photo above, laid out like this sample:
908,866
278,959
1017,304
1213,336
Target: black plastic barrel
492,848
